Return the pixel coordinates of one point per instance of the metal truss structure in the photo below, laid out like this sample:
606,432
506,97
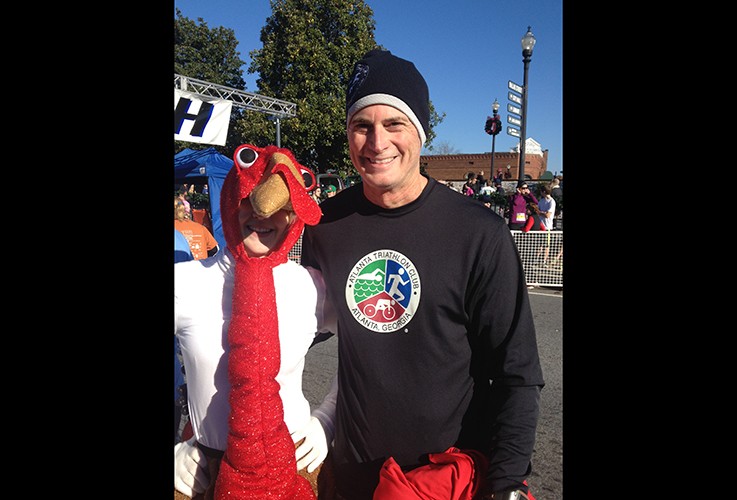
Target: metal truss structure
240,98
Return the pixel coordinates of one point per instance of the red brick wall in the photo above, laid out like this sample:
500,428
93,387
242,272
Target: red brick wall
455,167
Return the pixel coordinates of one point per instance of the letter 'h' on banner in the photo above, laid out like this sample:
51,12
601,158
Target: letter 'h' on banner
199,119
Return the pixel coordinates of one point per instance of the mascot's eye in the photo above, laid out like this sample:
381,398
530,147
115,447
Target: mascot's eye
246,157
309,178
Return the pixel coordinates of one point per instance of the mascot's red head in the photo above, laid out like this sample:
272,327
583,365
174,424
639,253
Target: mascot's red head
273,179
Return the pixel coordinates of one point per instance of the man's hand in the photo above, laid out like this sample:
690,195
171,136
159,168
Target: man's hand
313,450
190,468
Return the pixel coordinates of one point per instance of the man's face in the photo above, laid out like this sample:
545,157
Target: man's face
524,189
384,146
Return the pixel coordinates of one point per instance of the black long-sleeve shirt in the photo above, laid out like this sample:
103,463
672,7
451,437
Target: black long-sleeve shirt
436,341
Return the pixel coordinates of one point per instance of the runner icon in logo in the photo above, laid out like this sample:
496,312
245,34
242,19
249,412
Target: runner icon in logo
383,294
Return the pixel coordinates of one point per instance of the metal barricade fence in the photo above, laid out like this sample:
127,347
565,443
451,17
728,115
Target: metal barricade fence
542,256
295,253
541,253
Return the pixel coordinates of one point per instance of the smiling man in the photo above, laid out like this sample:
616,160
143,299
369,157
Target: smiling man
438,360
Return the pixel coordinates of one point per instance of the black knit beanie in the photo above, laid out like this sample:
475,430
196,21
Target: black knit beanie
383,78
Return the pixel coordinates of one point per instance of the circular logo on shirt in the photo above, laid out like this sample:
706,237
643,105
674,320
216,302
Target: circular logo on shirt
383,291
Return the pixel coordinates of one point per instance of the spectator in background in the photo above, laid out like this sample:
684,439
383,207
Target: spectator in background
535,220
499,176
556,191
331,190
201,241
547,206
485,191
469,187
480,180
518,205
182,194
317,194
498,185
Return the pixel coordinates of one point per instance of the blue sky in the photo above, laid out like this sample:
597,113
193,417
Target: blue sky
467,51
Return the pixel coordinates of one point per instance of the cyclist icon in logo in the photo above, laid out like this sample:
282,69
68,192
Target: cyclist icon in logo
383,288
383,305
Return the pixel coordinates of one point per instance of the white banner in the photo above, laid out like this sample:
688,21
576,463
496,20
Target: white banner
200,119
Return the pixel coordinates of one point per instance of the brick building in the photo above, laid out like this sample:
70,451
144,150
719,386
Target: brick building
453,168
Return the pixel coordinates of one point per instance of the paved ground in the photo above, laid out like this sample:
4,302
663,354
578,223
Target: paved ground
546,480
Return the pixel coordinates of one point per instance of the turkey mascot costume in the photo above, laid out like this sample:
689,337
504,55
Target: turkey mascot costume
259,461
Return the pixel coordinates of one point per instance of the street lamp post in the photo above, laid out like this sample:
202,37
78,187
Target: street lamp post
278,131
277,119
494,109
528,42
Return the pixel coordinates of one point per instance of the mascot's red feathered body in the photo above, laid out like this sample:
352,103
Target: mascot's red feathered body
259,460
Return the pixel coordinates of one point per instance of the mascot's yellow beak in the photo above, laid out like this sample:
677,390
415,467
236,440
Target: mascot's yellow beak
272,193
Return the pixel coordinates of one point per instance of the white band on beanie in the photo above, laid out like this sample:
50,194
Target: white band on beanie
389,100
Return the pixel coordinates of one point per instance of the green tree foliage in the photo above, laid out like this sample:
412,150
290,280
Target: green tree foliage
435,120
309,48
209,54
308,51
206,53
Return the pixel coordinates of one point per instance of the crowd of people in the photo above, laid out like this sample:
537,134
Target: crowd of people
437,391
519,206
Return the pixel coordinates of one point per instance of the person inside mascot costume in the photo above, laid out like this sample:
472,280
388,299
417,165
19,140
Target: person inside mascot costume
252,306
